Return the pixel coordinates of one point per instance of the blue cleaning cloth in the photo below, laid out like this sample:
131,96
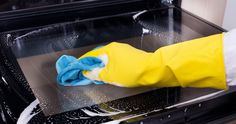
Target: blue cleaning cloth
70,70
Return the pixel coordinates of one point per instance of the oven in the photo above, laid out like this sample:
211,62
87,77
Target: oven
35,33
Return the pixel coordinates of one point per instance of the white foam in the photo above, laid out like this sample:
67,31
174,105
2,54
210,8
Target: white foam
77,118
4,81
92,114
3,116
28,113
129,117
146,31
94,74
138,14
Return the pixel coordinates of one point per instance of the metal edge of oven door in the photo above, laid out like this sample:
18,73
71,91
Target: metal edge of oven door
40,16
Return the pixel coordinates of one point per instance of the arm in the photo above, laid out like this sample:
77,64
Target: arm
195,63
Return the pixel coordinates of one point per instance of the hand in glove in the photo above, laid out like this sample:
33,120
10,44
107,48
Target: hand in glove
195,63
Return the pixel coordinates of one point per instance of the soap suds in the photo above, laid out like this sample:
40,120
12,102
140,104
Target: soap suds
130,117
28,113
92,114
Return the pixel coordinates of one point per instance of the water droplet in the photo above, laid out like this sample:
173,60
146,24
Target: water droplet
199,105
185,110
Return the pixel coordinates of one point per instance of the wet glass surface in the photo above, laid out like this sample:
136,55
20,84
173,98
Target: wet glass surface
38,49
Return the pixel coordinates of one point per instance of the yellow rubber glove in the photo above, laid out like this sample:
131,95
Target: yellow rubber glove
194,63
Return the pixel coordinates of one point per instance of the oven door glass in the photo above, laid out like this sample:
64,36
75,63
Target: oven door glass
37,49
